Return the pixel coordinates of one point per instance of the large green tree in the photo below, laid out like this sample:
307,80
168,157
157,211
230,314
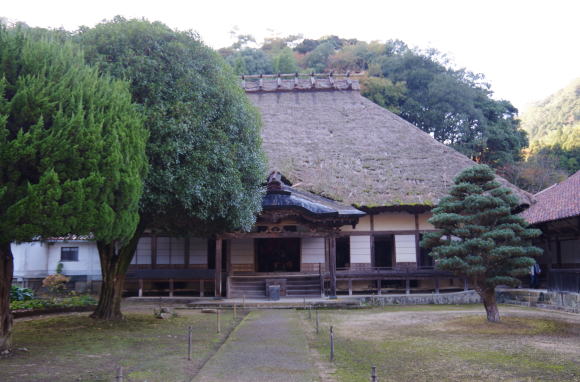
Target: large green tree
479,237
205,163
72,150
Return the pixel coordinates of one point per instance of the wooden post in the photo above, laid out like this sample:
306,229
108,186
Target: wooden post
407,285
465,285
189,343
119,377
317,322
201,288
218,269
321,279
331,345
350,287
437,285
374,374
332,265
170,287
379,287
219,329
140,287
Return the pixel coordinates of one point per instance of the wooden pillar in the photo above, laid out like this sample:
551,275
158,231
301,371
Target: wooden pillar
218,269
332,265
201,288
379,292
437,285
407,286
170,287
350,287
465,285
140,287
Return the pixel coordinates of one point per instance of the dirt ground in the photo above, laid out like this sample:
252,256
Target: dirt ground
405,343
74,347
451,343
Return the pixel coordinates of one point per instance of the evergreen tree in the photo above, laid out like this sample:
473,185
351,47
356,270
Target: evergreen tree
479,237
72,150
205,163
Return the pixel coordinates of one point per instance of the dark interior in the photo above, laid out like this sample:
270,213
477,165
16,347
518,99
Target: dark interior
278,255
384,250
343,252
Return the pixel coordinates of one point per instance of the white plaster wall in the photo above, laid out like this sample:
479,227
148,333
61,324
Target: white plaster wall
364,224
405,250
394,221
242,251
30,260
423,223
360,249
88,263
312,250
197,250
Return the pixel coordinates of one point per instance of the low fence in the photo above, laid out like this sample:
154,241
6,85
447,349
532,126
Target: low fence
564,280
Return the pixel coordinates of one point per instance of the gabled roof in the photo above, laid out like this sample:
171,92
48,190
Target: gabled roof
282,196
559,201
331,141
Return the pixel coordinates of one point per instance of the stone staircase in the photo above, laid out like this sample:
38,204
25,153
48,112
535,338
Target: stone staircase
254,287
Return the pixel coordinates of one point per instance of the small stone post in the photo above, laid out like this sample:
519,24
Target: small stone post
218,321
189,331
374,374
119,377
331,344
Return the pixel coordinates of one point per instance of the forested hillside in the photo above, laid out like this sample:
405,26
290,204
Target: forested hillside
553,126
453,105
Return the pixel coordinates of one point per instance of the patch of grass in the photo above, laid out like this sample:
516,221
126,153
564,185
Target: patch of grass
448,348
519,326
76,347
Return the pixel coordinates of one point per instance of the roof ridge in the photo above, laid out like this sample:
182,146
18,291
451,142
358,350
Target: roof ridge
299,82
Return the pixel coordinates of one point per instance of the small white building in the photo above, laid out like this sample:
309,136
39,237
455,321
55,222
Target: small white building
35,260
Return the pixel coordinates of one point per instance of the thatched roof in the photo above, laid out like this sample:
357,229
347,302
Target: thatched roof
338,144
559,201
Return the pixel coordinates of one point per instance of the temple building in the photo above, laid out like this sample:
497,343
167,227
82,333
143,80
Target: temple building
349,193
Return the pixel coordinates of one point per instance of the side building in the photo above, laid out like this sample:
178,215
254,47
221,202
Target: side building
557,213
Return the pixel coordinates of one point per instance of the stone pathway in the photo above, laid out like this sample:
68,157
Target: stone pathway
268,345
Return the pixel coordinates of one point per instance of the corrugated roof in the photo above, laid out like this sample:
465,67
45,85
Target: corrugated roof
338,144
556,202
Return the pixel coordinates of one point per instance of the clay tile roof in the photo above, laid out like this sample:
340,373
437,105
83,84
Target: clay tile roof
559,201
335,143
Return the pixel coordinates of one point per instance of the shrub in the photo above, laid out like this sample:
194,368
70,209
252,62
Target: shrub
56,283
20,294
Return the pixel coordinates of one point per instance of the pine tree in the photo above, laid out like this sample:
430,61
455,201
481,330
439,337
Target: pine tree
72,150
479,237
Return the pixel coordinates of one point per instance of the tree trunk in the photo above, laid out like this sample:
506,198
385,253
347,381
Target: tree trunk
6,271
488,297
114,265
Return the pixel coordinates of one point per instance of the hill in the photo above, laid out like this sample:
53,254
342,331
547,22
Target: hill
553,127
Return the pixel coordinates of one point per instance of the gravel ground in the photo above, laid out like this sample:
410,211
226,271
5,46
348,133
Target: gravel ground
268,345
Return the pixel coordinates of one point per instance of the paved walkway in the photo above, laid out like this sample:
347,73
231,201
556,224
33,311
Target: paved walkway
268,346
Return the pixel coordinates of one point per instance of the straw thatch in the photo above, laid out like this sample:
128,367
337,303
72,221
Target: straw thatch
338,144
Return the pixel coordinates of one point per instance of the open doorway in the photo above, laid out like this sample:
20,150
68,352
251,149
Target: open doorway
384,251
278,255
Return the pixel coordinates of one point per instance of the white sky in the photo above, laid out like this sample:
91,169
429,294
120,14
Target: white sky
526,49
